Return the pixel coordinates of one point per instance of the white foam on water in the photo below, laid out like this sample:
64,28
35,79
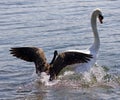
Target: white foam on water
44,79
97,72
66,73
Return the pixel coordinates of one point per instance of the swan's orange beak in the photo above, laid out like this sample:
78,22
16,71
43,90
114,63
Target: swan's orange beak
101,19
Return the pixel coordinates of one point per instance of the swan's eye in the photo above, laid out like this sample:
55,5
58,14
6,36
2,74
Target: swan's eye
101,18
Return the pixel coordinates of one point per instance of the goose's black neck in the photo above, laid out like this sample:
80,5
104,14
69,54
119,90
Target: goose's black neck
54,57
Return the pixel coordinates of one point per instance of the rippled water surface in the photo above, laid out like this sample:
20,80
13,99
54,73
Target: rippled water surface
58,25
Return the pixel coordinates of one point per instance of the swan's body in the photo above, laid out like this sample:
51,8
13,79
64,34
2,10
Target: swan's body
84,59
94,48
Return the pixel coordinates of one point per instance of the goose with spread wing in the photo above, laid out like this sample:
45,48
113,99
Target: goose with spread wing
59,61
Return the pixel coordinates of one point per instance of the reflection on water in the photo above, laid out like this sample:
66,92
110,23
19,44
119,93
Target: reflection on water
58,25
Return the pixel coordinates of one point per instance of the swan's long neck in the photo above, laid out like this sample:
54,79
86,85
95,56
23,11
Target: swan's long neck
95,46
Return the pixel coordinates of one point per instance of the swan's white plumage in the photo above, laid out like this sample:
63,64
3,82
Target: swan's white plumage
93,50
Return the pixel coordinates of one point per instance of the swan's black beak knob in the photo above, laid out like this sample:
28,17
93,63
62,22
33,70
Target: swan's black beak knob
101,18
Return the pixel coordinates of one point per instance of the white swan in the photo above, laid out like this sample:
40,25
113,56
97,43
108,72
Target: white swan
94,48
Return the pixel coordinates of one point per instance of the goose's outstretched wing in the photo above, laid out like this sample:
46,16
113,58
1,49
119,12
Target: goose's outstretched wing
67,58
31,54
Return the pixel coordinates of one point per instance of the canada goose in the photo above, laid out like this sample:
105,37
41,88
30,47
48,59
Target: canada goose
59,61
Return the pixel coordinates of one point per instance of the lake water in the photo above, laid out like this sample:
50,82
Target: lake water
58,25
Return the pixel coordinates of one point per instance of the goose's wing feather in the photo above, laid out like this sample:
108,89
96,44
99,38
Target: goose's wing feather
30,54
68,58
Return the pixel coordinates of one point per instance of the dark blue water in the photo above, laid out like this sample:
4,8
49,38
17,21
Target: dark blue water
57,25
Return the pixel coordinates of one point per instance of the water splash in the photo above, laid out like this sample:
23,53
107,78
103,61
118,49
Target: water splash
97,76
44,79
96,73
